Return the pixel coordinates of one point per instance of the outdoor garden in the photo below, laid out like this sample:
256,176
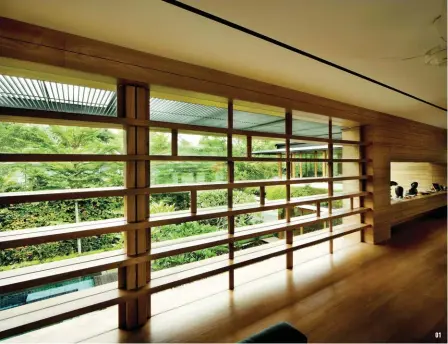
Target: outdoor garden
28,138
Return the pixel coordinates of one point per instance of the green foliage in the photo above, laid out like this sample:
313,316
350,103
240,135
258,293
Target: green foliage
187,172
279,192
255,170
31,215
208,145
183,230
67,248
160,207
24,138
189,257
208,199
177,200
160,143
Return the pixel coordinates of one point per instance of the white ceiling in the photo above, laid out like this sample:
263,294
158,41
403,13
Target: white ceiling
369,37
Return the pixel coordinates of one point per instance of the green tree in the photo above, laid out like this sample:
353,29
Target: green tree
38,139
20,138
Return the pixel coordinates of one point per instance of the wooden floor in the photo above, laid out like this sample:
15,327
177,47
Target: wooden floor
362,293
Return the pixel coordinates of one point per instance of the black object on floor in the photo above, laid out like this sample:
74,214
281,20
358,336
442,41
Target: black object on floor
279,333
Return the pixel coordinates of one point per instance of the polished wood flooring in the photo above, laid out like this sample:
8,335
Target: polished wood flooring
362,293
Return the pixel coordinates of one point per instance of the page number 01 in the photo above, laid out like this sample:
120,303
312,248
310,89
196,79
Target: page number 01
438,334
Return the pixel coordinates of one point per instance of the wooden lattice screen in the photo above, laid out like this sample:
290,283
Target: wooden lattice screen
136,283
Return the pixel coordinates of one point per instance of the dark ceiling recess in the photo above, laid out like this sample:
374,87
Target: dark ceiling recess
293,49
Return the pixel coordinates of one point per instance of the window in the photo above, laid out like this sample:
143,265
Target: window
194,187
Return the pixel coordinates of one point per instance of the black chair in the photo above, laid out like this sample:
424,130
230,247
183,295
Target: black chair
279,333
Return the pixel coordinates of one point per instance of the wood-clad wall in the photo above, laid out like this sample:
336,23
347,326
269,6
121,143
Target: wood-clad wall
425,173
398,140
390,138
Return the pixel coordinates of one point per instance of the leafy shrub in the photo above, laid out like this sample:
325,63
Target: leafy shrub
178,200
44,252
161,207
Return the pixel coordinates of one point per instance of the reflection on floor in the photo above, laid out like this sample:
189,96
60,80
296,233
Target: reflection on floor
362,293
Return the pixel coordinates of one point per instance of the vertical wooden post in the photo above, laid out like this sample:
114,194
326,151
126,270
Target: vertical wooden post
194,201
330,175
289,234
324,165
174,142
318,209
279,169
293,167
315,164
231,179
249,146
133,102
362,183
262,195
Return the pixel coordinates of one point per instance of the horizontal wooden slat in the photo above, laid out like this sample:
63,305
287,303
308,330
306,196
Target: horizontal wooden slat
36,236
252,133
57,195
46,312
19,157
70,268
204,269
246,159
8,114
209,213
38,314
222,237
166,188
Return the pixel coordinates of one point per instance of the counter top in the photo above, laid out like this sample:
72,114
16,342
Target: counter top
403,200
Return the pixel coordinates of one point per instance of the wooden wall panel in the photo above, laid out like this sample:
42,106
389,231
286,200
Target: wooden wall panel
408,142
404,173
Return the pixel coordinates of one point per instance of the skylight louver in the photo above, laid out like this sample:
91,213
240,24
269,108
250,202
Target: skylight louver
51,96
